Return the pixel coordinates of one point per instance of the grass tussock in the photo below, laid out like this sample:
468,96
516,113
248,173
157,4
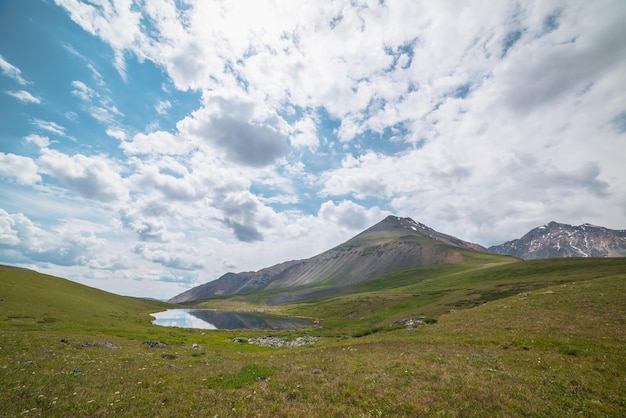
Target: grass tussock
538,339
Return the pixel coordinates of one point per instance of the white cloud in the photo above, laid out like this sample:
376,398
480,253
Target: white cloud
21,239
363,177
98,105
564,61
236,128
92,177
104,20
182,258
348,214
40,141
82,91
24,96
11,71
49,126
148,228
159,142
305,133
162,107
23,169
116,133
171,186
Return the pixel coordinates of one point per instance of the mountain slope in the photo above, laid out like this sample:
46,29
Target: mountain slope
394,244
232,283
562,240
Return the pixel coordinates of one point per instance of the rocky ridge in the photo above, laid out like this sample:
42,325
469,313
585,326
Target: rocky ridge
554,240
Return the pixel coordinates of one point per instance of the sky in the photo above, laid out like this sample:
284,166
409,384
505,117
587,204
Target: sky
150,146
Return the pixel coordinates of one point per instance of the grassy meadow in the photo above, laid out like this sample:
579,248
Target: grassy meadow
503,338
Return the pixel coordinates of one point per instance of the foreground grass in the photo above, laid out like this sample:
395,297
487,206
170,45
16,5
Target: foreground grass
556,350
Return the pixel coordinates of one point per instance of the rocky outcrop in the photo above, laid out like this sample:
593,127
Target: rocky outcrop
281,342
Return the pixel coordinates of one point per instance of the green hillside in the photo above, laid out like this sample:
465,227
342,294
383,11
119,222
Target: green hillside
502,338
34,301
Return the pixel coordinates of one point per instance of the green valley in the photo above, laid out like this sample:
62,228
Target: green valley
496,337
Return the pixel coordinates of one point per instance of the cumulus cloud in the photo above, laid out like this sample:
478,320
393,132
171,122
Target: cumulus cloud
21,240
440,188
92,177
360,177
116,133
240,209
23,169
180,259
40,141
185,187
159,142
231,126
305,133
148,222
348,214
246,233
247,143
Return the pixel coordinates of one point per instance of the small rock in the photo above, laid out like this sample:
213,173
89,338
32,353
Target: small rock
107,345
155,344
98,344
409,322
195,346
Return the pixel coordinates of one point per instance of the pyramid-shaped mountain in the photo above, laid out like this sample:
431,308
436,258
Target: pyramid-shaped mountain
394,244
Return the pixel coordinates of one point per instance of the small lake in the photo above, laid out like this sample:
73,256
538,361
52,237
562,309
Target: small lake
203,319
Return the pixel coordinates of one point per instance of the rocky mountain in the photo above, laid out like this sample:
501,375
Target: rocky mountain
562,240
394,244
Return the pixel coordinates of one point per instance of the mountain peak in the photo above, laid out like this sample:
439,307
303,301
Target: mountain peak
405,222
393,244
393,222
563,240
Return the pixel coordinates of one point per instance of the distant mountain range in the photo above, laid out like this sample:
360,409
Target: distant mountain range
561,240
397,244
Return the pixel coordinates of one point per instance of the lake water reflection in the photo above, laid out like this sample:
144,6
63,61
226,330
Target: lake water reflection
202,319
